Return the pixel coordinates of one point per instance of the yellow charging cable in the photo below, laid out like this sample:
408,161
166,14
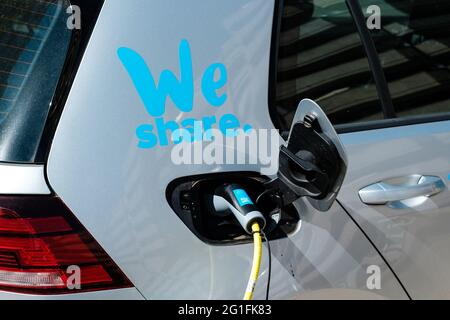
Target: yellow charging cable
257,253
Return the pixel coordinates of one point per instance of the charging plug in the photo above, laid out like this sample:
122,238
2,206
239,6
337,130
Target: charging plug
233,198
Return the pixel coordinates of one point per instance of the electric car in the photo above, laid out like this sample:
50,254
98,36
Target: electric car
93,205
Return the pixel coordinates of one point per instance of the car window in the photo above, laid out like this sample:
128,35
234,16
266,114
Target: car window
321,57
34,39
413,42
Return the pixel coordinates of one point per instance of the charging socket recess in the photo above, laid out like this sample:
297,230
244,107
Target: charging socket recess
312,164
191,199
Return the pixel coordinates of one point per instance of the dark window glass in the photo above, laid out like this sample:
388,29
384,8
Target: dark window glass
414,47
34,40
321,57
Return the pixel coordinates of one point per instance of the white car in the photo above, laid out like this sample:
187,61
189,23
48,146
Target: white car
93,95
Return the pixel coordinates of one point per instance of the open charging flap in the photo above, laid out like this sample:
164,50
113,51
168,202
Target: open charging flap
312,164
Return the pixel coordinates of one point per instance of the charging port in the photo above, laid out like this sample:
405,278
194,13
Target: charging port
192,200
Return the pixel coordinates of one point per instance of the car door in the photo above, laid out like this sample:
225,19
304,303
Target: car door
396,187
111,158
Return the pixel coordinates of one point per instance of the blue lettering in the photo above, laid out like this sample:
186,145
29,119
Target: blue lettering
208,123
154,99
228,123
210,86
194,127
162,128
181,90
146,137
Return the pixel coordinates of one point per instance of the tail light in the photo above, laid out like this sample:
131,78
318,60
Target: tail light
43,245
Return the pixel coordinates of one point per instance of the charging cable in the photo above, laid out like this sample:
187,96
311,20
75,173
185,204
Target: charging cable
256,265
269,254
232,197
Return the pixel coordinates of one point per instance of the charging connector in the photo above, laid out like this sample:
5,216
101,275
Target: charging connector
233,198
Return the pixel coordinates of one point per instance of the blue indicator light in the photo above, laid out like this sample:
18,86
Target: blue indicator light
242,197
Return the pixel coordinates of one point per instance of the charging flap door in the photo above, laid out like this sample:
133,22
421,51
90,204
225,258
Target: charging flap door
314,162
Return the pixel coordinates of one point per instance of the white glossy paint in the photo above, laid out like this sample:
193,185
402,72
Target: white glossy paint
23,179
118,294
415,240
118,191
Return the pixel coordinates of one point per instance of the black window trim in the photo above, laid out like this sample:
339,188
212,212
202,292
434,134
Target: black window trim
273,63
373,58
391,123
388,122
90,11
33,159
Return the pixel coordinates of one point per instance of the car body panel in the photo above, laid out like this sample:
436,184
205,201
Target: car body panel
118,294
23,179
118,191
414,240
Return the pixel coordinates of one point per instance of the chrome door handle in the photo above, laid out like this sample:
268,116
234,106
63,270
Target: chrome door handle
382,193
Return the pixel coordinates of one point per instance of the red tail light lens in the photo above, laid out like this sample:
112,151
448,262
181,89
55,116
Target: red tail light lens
43,245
